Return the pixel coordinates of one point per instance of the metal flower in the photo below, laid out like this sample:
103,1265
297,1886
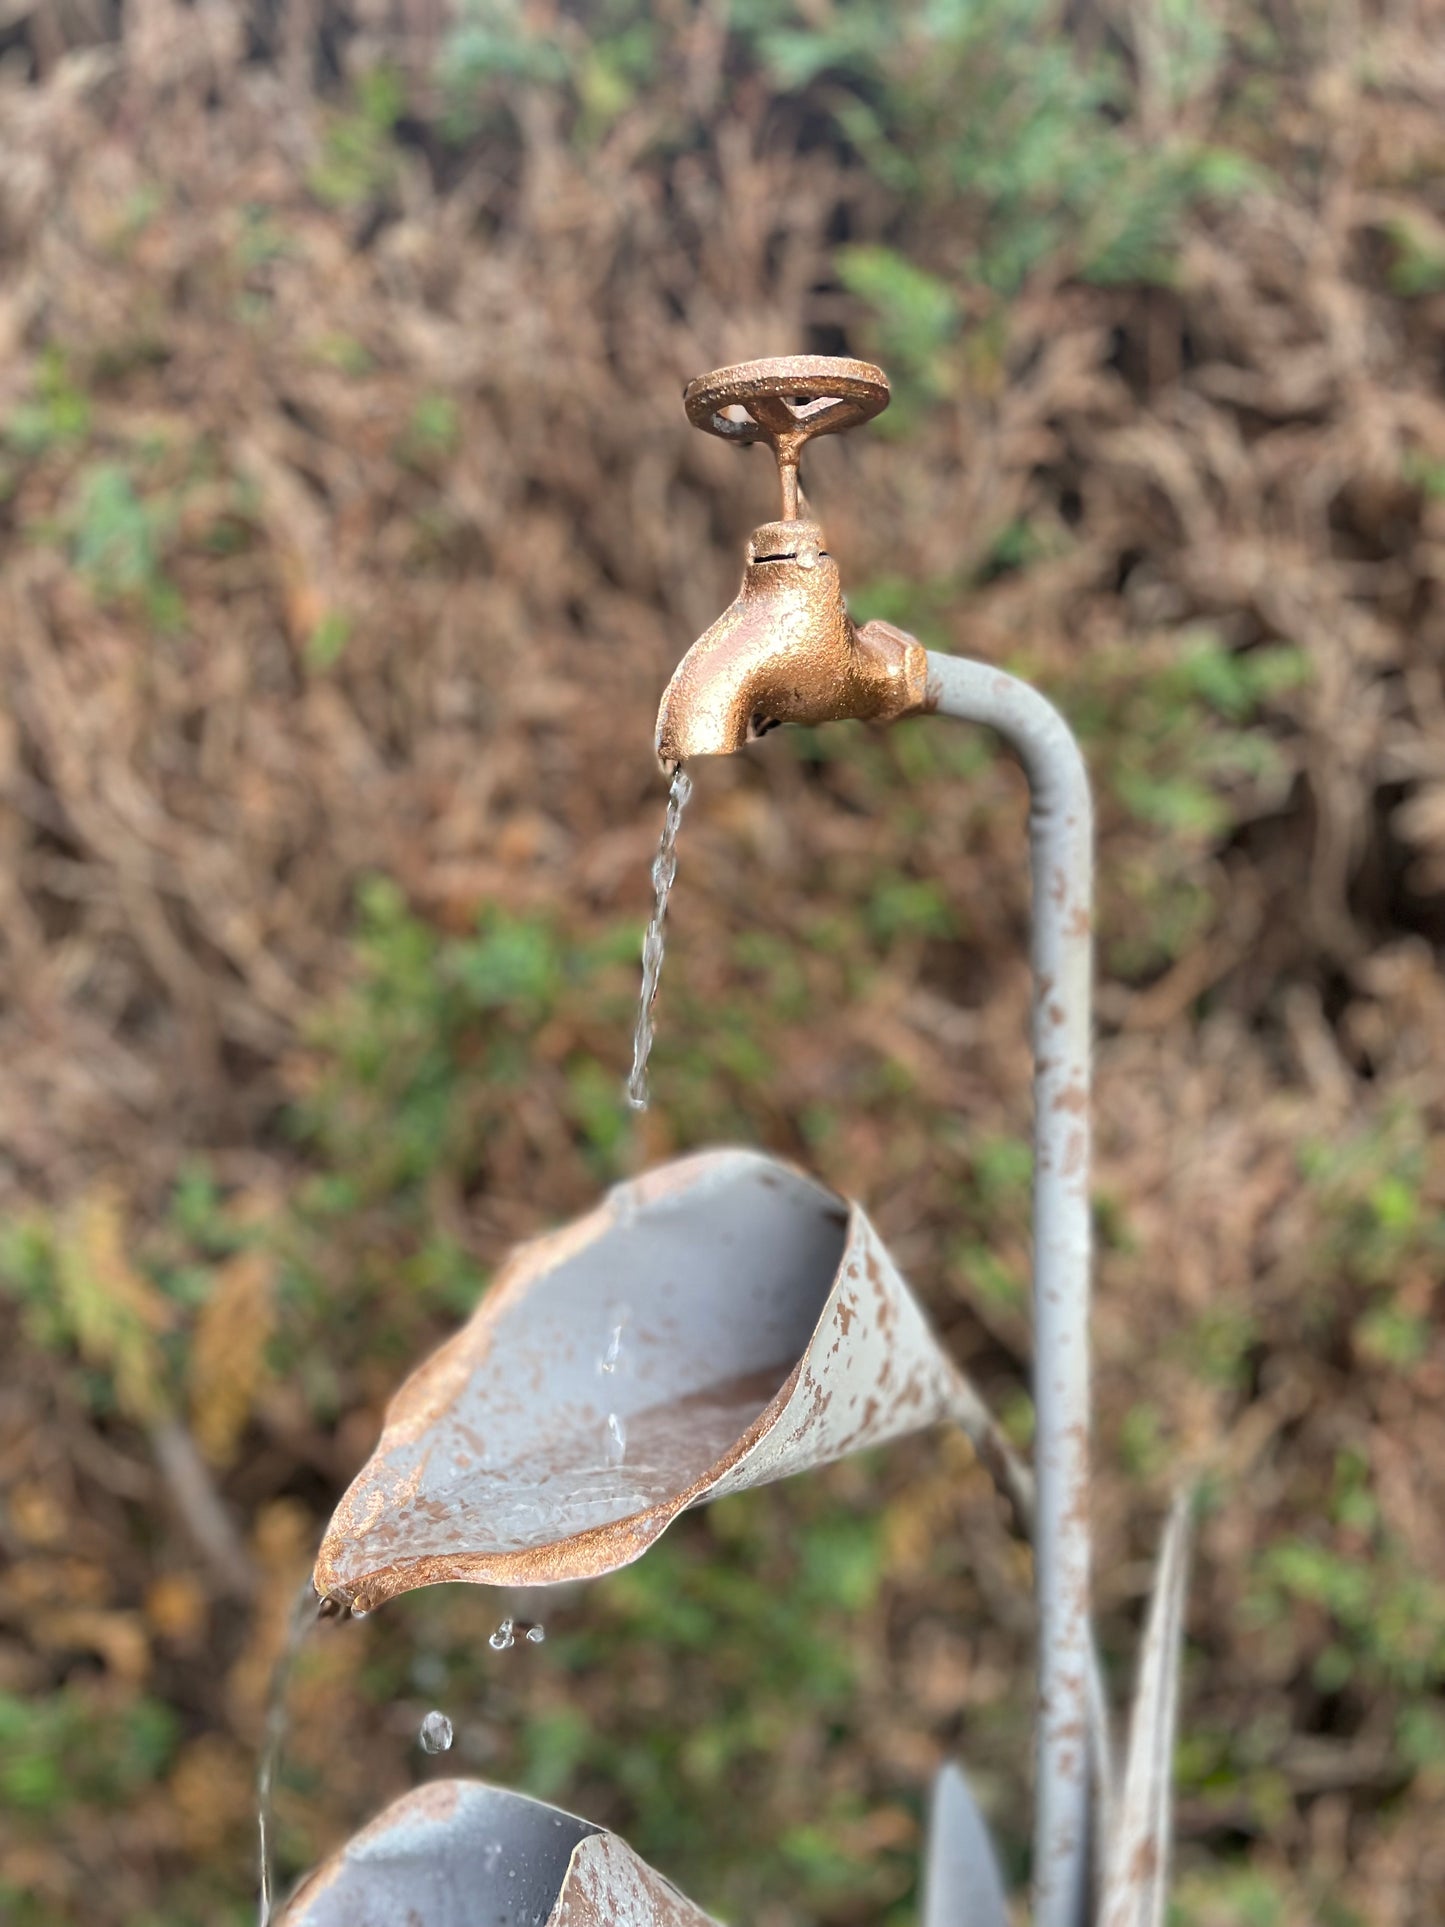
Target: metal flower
718,1323
459,1853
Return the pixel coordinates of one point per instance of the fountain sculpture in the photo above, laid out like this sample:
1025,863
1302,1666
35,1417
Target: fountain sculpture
768,1331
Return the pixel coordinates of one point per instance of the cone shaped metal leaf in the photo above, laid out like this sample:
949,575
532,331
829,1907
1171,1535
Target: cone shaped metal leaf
961,1882
458,1853
1137,1870
763,1330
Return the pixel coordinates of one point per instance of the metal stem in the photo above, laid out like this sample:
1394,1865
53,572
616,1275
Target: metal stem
1061,848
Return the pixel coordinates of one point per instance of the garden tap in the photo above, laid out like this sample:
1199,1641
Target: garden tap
786,651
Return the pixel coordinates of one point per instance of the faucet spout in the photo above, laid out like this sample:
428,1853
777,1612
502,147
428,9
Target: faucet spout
786,651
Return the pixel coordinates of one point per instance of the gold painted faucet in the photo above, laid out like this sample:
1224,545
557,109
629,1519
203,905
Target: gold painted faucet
786,651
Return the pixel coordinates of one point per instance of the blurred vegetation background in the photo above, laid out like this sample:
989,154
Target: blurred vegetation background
350,529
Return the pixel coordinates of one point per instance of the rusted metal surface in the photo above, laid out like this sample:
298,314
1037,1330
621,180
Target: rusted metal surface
764,1331
451,1854
459,1853
608,1885
962,1886
1136,1874
788,400
1061,849
786,650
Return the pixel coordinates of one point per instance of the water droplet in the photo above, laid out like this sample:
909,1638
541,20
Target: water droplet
436,1733
491,1854
664,874
608,1361
616,1439
503,1637
535,1635
358,1611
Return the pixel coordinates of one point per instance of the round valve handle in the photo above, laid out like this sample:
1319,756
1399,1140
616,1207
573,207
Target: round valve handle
788,400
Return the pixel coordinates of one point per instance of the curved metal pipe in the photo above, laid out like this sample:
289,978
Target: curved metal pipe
1061,850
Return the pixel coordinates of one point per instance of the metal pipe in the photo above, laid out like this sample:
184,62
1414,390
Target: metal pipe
1061,850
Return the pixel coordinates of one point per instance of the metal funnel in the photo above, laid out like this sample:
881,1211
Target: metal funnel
764,1330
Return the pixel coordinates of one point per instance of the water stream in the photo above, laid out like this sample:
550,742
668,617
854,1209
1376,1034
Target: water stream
435,1735
302,1618
654,944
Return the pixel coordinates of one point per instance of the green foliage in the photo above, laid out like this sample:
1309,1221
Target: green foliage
1387,1617
1142,1443
1423,472
327,642
1005,139
58,415
117,540
903,906
433,431
1015,151
435,1035
1376,1216
82,1297
261,239
74,1746
1179,749
1417,265
344,353
494,41
359,156
1241,1896
990,1257
759,1601
918,316
1219,1343
1182,747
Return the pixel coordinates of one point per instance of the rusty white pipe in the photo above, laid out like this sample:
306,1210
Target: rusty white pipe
1061,849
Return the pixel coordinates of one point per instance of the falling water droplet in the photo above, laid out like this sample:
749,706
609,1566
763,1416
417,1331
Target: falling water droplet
436,1733
608,1361
654,946
503,1637
535,1635
616,1439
